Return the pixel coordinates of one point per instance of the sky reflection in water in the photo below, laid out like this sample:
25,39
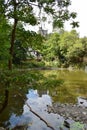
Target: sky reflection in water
32,122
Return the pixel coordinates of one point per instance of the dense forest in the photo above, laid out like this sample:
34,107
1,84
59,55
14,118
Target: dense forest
18,44
21,48
59,49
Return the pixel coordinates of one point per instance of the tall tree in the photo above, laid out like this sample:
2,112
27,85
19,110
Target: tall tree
23,10
4,41
51,47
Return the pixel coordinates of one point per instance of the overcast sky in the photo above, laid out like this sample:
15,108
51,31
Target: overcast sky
80,6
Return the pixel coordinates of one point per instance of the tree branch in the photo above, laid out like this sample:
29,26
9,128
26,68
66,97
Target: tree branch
48,125
29,3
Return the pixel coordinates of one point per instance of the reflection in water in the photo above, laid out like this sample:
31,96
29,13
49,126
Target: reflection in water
15,112
5,101
75,84
38,104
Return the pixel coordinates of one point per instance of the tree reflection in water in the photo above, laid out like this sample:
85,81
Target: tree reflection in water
5,103
30,121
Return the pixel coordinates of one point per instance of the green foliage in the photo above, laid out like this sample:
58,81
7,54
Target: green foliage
52,82
65,48
20,53
84,45
33,79
58,23
77,126
25,41
10,79
33,64
4,41
73,15
64,15
68,41
50,47
75,52
21,11
75,24
24,11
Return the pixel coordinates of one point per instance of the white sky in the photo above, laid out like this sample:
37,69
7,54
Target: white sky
80,6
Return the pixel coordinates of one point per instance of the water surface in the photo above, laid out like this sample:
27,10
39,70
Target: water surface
62,86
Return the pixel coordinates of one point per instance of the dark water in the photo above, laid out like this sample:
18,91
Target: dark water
17,113
14,110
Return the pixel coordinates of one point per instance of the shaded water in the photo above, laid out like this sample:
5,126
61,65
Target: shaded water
15,112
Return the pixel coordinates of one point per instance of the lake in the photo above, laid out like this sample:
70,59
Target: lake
62,86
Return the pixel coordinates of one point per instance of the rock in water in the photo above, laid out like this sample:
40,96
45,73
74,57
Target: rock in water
82,101
68,123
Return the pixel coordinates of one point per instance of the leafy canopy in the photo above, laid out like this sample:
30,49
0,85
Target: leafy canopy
25,10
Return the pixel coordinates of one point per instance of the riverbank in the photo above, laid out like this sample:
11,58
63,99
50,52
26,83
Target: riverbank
71,113
77,113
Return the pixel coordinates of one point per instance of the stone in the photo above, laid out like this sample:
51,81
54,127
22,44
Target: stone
82,101
68,123
85,127
77,113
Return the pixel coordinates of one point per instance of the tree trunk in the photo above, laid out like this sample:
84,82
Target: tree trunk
12,44
5,103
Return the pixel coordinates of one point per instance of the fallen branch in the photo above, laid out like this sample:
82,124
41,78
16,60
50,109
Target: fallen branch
48,125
